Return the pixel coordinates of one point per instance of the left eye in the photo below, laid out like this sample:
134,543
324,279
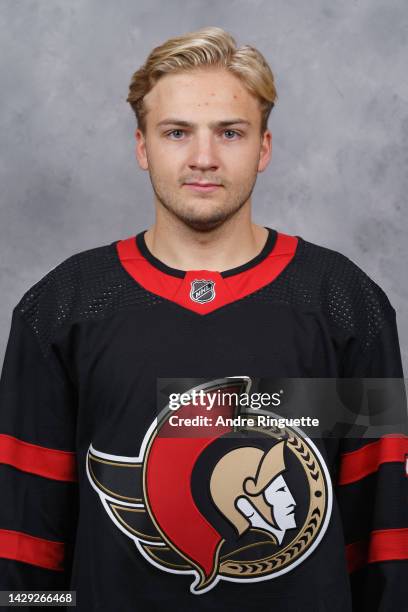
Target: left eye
282,489
229,132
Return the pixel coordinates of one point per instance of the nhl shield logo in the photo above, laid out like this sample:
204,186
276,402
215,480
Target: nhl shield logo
244,505
202,291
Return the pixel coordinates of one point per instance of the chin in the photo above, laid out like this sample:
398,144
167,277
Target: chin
207,221
203,224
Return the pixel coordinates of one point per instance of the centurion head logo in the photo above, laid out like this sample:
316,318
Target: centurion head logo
240,504
257,494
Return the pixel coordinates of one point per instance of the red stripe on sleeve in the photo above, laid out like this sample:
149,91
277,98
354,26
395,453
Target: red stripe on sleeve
29,549
364,461
383,545
39,460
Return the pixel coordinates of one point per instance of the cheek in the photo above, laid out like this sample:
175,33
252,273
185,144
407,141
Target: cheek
270,497
162,164
243,162
169,161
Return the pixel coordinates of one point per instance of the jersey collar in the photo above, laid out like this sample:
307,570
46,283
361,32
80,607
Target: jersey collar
203,291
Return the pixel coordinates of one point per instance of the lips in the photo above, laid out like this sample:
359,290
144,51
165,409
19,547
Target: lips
203,187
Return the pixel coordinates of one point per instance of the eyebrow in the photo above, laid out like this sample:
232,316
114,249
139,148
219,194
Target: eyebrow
212,124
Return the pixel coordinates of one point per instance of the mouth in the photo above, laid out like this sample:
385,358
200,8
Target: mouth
202,187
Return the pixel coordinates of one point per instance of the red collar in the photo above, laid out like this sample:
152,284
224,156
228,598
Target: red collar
204,291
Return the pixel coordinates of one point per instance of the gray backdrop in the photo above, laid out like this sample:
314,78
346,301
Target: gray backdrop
69,179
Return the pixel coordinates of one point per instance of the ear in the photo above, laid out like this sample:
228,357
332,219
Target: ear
265,153
141,154
244,505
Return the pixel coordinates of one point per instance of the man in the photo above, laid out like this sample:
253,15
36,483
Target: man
101,494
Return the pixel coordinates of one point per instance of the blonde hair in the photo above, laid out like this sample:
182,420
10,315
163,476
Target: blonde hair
211,46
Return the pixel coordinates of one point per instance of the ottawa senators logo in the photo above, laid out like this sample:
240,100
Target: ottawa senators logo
241,504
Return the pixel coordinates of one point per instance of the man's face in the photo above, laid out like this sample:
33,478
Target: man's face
278,495
203,146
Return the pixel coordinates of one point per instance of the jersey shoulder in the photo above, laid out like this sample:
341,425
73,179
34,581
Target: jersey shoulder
330,265
324,279
335,274
87,285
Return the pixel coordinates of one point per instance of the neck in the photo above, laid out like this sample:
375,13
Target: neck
231,244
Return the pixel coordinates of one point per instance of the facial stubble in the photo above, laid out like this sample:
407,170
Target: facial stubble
198,212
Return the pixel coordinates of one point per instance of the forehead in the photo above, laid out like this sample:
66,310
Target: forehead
276,483
199,93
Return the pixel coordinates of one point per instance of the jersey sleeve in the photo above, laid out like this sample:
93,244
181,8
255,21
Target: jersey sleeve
372,487
38,480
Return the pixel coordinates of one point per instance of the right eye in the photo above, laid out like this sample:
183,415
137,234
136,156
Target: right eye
175,134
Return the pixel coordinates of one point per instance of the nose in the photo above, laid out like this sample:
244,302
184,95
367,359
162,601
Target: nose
291,500
203,154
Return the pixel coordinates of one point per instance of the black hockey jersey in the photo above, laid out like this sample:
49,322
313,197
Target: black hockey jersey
109,489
